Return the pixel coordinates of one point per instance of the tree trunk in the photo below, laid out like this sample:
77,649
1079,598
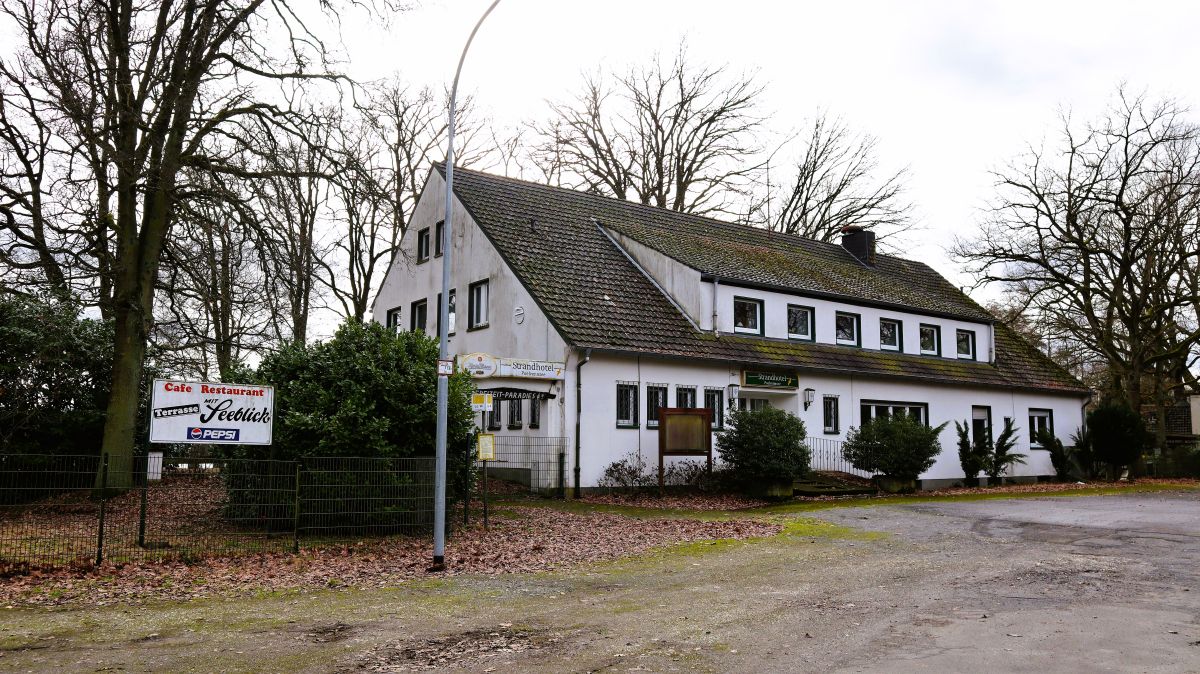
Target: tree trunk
120,427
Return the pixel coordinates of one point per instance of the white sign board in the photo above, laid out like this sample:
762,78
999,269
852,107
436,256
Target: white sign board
209,413
482,366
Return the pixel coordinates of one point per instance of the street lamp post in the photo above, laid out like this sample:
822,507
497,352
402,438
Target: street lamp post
443,384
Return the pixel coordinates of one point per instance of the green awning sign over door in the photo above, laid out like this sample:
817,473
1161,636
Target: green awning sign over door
770,379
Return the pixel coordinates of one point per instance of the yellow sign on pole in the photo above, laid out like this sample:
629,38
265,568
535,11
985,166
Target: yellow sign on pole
485,445
481,402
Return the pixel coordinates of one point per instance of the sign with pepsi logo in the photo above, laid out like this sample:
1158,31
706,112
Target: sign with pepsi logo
211,413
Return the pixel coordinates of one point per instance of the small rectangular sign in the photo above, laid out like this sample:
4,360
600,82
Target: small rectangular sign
211,413
770,379
481,402
485,444
445,367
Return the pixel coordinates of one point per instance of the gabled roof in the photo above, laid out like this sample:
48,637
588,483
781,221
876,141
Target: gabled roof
598,299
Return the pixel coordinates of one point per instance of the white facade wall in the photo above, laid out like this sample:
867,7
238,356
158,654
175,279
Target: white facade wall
775,310
1195,403
604,442
474,259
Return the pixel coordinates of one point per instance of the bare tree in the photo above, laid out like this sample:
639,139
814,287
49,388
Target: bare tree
837,183
1100,238
671,135
150,90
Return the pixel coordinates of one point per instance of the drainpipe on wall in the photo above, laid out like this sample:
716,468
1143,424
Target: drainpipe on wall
587,355
716,287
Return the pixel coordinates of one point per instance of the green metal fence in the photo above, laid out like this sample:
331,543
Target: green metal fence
67,510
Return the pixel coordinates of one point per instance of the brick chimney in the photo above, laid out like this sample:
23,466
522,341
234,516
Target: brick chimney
860,241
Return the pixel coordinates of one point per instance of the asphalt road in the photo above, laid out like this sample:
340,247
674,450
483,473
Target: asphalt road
1069,584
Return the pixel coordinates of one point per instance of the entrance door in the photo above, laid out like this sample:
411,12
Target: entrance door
981,424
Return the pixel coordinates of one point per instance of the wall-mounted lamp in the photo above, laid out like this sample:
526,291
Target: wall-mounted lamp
809,394
734,390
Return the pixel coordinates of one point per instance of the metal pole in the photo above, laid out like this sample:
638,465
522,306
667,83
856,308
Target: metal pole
296,512
443,384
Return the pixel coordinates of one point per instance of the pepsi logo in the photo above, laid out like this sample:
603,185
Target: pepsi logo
195,432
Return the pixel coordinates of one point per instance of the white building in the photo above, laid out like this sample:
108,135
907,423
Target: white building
624,308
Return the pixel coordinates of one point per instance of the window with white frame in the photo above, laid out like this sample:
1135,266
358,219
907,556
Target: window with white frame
831,414
752,404
514,414
965,339
714,399
423,245
393,319
931,340
800,322
747,316
627,405
439,238
846,329
477,305
1039,420
891,334
418,315
656,398
685,396
450,310
880,409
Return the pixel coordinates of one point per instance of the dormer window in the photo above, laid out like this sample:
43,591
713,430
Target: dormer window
966,344
747,316
846,329
800,322
931,340
891,334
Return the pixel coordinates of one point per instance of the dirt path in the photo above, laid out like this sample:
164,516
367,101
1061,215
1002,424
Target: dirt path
1101,583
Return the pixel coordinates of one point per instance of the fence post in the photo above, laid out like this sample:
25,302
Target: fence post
142,515
103,503
296,513
562,475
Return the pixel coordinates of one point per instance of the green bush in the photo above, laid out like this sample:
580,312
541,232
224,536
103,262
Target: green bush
1083,455
1118,436
1060,456
764,446
1179,461
367,392
900,447
972,454
1003,459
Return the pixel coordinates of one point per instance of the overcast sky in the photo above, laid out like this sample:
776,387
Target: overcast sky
951,89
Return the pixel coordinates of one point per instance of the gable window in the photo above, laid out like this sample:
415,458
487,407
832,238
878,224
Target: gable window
714,399
418,315
439,238
494,416
535,413
847,329
449,311
393,319
423,245
1039,420
966,343
477,305
685,396
747,316
891,334
656,397
800,322
881,409
627,405
514,414
831,416
931,340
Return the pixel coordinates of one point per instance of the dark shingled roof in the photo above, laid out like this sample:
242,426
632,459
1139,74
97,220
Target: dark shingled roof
597,299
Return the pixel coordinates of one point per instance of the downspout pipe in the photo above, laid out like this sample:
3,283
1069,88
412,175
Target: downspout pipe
716,290
587,356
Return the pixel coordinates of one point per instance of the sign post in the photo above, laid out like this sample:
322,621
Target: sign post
683,431
485,444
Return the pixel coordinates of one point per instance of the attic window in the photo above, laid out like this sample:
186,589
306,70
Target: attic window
747,316
931,340
423,245
847,331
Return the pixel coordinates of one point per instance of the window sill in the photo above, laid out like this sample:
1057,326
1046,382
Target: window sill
853,344
829,432
801,338
747,331
893,349
533,427
628,426
514,428
962,357
422,260
931,353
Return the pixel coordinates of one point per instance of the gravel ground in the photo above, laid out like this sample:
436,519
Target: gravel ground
1036,584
